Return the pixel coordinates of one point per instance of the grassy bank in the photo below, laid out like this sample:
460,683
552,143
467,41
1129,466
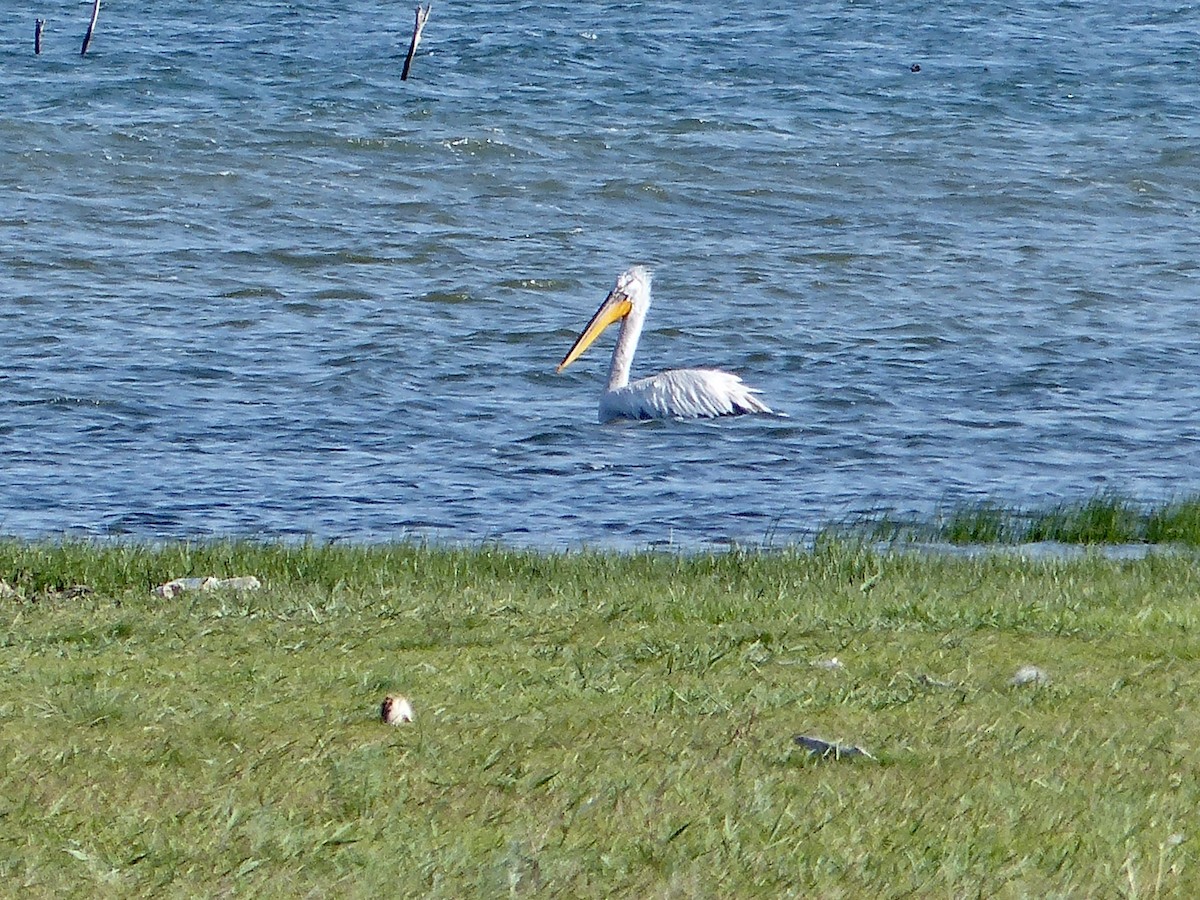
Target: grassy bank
1103,519
596,725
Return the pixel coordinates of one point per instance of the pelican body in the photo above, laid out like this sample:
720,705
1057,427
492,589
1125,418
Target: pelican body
674,394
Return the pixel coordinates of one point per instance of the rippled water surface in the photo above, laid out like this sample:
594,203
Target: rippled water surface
253,284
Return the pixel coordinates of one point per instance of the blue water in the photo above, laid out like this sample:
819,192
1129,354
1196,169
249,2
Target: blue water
253,284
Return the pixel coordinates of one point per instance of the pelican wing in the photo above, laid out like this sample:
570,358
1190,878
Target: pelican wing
684,394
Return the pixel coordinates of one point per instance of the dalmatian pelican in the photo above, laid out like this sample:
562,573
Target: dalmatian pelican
673,394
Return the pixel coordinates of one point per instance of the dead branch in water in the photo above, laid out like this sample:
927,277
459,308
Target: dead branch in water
87,38
39,25
422,18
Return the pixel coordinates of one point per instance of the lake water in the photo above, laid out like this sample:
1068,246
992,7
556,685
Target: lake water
253,284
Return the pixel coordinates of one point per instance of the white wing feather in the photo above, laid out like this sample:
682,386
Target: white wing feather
682,393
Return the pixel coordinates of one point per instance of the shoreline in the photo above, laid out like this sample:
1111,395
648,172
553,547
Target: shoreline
595,724
1107,524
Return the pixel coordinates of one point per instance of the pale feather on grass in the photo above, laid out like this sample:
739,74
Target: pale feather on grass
1029,675
395,710
829,749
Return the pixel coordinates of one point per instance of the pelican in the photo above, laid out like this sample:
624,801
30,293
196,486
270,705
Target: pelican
674,394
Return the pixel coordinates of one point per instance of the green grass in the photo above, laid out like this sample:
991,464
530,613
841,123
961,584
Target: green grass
1102,520
596,725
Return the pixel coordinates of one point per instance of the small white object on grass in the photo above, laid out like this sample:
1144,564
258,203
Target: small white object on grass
930,681
174,588
1029,675
395,710
832,663
829,749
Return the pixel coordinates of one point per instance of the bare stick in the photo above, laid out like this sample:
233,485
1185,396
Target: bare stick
39,26
422,18
87,38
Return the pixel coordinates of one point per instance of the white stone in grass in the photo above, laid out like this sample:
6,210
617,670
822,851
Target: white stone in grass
177,586
1029,675
395,710
832,663
930,681
238,583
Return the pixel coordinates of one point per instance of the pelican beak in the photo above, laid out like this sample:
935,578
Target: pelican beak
615,307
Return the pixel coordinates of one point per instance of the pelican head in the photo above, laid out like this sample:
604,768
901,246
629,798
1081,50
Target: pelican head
631,294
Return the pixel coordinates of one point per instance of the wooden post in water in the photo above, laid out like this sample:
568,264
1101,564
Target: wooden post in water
87,38
39,26
422,18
